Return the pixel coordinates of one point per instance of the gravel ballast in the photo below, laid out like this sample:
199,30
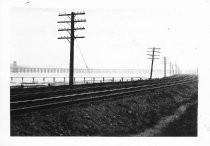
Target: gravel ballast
124,116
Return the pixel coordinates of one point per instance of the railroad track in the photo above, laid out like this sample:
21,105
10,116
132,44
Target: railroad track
36,94
20,92
27,104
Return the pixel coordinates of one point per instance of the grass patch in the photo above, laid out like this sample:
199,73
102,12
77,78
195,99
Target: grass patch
124,116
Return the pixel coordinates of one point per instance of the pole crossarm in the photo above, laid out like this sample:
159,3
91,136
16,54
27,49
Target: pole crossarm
67,37
79,20
76,37
156,51
64,22
154,48
153,58
152,51
69,29
152,55
77,13
71,39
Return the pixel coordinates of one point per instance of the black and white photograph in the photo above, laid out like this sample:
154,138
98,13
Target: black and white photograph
106,70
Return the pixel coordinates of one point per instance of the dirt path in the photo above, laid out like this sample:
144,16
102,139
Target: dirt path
165,121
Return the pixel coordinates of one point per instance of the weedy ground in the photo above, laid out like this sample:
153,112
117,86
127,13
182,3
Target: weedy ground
127,115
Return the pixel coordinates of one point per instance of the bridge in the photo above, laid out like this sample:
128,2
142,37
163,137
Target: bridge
14,68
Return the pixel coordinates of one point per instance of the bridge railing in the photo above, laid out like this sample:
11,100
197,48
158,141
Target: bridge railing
64,80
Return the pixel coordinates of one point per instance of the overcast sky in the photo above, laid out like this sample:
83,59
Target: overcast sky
117,35
114,38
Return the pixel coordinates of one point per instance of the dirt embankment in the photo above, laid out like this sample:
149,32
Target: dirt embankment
185,125
129,115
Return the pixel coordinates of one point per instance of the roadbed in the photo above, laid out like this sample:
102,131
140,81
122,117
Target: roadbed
124,116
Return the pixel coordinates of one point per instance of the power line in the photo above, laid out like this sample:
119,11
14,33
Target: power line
153,51
83,58
71,39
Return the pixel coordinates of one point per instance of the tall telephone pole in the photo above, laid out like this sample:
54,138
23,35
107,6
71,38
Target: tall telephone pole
153,51
164,66
165,63
71,39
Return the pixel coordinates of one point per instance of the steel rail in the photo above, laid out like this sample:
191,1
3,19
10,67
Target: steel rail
67,90
99,84
92,97
88,93
58,90
40,92
37,89
83,93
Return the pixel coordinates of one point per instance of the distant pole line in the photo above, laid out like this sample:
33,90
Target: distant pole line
71,39
153,51
172,69
164,66
165,62
176,71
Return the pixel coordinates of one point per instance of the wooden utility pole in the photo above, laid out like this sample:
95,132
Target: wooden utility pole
172,69
152,64
153,51
165,63
71,39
